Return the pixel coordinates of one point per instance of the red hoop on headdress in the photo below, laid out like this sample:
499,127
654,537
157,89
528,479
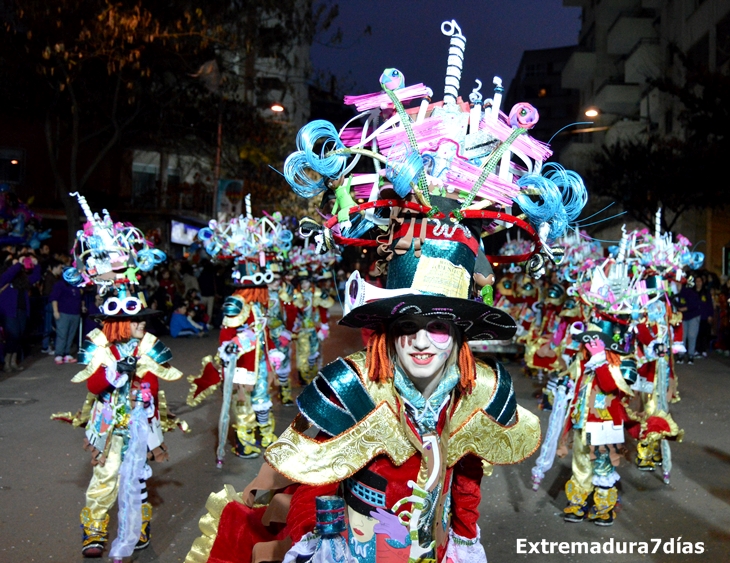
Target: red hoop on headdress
467,214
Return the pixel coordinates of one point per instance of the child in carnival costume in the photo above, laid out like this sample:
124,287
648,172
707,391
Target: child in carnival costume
529,308
125,412
505,292
540,347
246,351
281,297
312,303
401,431
602,373
661,263
505,288
553,350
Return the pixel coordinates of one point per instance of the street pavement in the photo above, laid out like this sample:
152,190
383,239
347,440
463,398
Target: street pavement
44,473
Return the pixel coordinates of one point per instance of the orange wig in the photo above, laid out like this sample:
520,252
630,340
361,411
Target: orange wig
253,294
117,330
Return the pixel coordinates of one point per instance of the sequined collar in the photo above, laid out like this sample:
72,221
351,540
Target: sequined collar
425,412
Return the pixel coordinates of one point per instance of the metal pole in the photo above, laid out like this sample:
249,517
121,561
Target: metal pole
217,169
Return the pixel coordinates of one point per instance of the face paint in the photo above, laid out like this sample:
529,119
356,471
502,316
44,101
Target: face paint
439,333
423,347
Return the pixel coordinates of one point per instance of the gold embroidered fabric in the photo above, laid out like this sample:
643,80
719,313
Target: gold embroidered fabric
321,299
499,445
200,551
103,356
305,460
192,400
241,318
81,417
146,364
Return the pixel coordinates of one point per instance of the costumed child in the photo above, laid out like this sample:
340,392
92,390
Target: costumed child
246,353
124,364
661,274
596,417
403,430
540,348
311,327
280,327
597,411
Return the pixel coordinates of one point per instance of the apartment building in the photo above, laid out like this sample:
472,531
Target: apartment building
622,45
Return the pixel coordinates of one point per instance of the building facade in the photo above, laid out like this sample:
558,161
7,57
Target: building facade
622,45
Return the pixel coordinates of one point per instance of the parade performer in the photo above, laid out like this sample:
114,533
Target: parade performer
603,372
281,297
247,352
596,417
125,412
543,339
401,432
662,263
312,325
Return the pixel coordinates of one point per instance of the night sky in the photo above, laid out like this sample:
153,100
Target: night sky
406,34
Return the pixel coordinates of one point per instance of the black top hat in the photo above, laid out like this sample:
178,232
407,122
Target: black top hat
611,332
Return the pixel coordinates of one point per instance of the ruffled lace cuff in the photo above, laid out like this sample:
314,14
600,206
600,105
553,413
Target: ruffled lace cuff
465,550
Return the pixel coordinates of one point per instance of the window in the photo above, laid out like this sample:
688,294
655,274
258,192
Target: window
12,165
698,54
535,69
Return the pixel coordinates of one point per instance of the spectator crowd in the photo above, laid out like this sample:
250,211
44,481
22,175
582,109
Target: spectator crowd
41,313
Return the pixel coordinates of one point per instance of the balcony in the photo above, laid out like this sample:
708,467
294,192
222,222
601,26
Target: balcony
643,62
628,29
618,97
579,69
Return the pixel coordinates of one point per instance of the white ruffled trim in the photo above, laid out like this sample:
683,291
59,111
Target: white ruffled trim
465,550
320,550
607,481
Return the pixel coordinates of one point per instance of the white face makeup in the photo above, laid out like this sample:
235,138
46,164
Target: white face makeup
423,347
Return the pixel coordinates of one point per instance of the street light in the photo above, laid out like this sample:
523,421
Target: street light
594,111
277,107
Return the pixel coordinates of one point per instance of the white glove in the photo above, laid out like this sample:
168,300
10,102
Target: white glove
228,350
323,332
276,358
596,360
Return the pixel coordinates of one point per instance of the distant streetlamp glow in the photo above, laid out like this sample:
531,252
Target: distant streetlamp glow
592,112
277,107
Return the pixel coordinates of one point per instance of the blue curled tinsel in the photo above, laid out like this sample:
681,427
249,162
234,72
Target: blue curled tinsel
317,133
562,198
72,276
147,258
404,170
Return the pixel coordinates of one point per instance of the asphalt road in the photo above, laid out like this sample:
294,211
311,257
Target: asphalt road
44,473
